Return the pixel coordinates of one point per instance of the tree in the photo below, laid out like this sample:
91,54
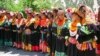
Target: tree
37,5
42,4
14,5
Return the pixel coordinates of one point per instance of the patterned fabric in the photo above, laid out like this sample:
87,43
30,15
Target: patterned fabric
43,46
86,41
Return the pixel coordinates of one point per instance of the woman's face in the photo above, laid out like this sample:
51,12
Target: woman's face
37,17
60,15
82,12
43,16
19,16
50,16
14,16
75,18
29,16
8,15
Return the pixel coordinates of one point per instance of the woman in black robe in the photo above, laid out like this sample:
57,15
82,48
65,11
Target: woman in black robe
2,20
35,33
52,29
7,25
14,30
86,42
98,33
60,34
27,44
49,33
44,23
73,28
20,26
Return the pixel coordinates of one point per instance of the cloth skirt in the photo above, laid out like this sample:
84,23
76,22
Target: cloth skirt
60,49
1,37
8,38
19,40
43,45
35,41
26,43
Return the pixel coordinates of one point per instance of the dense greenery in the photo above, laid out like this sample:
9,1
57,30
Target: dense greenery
19,5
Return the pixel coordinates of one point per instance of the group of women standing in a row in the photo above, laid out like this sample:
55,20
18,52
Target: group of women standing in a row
75,33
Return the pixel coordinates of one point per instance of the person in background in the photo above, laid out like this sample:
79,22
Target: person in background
44,24
53,30
49,33
73,29
14,30
7,26
27,44
2,20
19,24
98,33
36,33
61,31
86,42
55,11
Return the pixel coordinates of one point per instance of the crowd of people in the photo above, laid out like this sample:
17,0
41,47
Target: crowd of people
74,32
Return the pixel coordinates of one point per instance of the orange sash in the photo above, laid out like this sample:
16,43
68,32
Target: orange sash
61,22
2,19
19,22
28,22
44,22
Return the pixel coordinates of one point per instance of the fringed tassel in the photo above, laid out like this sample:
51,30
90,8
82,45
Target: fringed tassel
94,44
28,47
85,46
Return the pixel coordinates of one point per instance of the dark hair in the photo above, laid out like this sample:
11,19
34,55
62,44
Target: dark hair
55,10
50,14
44,14
81,9
99,14
30,15
1,15
38,15
15,16
74,13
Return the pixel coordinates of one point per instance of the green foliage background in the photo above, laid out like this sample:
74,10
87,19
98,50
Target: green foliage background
37,5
